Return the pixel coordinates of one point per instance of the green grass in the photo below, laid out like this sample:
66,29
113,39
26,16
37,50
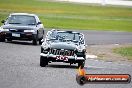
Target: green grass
72,16
124,51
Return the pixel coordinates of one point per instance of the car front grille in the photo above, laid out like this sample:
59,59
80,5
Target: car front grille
17,30
61,52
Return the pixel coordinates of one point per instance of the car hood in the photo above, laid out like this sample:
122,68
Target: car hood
13,26
63,45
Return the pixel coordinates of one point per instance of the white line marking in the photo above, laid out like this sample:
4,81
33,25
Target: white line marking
116,44
87,67
125,64
91,56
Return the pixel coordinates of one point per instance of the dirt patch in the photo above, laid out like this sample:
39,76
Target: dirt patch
105,52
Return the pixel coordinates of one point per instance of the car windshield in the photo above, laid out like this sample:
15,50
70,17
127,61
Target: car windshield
63,36
21,20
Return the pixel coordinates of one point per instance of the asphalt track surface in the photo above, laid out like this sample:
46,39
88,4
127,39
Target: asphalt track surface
19,65
107,37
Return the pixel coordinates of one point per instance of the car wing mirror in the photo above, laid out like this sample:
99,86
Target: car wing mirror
3,21
39,23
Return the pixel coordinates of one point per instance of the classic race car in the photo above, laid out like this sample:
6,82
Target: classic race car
63,46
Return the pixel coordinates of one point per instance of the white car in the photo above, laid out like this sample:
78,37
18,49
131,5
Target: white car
23,26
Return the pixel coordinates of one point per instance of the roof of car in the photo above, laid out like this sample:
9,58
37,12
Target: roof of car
64,31
23,14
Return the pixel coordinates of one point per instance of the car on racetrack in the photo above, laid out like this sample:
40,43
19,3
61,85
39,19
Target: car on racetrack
23,26
63,46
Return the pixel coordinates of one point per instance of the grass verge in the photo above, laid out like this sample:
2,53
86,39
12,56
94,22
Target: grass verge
72,16
124,51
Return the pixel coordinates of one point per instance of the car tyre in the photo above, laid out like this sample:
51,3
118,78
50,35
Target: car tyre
43,62
40,42
81,63
9,40
2,39
34,41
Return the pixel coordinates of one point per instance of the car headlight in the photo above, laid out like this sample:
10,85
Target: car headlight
1,29
5,29
45,46
29,30
45,51
80,50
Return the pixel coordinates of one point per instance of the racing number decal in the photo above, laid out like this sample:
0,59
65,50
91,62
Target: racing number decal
62,58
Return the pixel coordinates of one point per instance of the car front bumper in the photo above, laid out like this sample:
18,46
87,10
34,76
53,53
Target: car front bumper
20,36
71,59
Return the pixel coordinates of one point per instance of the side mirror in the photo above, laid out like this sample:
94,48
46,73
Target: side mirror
39,23
3,21
42,40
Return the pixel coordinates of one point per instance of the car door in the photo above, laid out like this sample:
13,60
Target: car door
40,28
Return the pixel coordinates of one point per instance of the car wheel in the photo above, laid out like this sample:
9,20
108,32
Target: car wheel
43,62
81,63
40,42
9,40
2,39
34,41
